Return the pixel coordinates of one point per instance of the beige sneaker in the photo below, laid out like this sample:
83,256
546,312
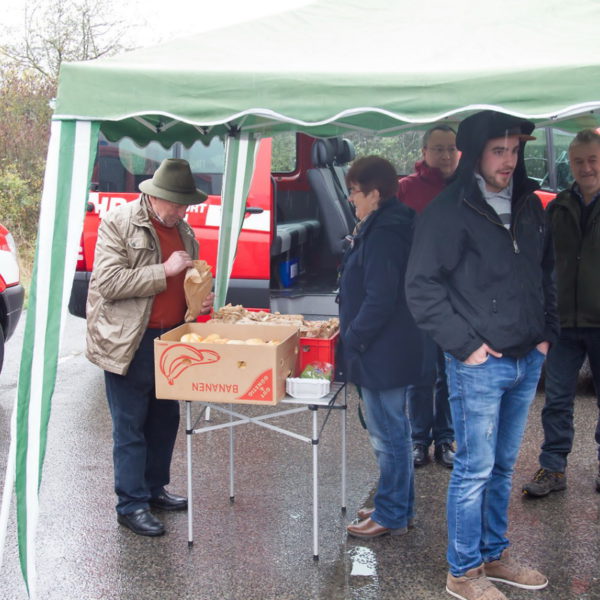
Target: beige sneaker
473,585
507,570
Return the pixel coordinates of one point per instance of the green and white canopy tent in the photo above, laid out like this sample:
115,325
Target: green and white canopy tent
326,68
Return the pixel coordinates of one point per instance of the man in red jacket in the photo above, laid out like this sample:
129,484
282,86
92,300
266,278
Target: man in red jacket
430,413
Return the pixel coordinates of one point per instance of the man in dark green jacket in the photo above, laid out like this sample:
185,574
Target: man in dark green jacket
575,221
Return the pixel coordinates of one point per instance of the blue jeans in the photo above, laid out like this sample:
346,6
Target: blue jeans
562,369
389,433
489,403
430,417
144,430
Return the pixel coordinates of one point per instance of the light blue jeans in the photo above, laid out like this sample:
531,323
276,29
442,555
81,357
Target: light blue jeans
490,403
389,433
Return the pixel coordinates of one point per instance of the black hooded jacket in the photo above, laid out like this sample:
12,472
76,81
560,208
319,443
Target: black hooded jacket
469,279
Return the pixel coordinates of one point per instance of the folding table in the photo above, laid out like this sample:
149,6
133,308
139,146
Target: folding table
335,400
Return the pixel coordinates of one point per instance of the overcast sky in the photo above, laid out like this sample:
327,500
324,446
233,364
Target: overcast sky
160,20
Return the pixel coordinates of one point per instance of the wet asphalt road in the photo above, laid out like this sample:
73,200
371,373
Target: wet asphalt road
260,547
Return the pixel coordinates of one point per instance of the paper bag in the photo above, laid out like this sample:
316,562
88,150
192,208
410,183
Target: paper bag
197,285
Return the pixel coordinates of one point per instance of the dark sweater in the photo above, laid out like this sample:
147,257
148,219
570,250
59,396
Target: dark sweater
577,260
381,347
418,189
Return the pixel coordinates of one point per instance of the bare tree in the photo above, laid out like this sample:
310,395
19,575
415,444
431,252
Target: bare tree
65,30
53,31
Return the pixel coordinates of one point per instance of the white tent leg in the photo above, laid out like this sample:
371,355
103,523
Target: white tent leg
343,415
315,457
231,459
189,434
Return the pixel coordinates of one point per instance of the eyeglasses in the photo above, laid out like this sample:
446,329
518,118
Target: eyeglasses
439,150
354,190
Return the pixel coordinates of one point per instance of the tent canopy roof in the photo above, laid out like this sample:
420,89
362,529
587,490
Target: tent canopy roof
335,65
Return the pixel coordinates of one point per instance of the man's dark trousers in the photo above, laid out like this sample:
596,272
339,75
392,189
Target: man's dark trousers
562,369
430,416
144,429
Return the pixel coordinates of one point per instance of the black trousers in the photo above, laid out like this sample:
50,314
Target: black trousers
144,430
562,369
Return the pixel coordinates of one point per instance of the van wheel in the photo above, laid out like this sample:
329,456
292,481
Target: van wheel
1,347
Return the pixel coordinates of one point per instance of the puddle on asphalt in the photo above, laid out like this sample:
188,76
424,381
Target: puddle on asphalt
364,562
363,583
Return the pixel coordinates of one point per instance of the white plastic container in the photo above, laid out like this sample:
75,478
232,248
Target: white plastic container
298,387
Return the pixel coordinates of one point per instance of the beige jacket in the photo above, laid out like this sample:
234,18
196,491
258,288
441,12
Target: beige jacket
127,274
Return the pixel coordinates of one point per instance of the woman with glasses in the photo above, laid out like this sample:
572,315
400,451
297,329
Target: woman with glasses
380,343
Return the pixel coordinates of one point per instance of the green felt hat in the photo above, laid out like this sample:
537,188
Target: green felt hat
173,181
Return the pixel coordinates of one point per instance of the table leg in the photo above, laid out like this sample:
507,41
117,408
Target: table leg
343,444
231,461
189,432
315,456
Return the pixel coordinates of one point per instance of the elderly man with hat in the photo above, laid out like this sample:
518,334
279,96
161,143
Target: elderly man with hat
136,293
479,281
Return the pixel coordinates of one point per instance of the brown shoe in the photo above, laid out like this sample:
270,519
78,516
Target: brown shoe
507,570
365,513
473,585
368,529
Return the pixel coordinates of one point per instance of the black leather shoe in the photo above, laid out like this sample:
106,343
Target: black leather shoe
166,501
142,522
444,455
420,455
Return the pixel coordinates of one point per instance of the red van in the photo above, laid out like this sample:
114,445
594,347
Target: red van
11,290
295,228
297,218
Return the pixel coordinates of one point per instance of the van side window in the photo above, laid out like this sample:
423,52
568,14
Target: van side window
538,154
121,166
536,158
207,163
403,149
564,179
284,158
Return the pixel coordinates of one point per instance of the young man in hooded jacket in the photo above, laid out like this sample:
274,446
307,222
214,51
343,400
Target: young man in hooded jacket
479,281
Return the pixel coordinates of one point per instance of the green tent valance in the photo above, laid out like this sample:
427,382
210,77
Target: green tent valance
335,65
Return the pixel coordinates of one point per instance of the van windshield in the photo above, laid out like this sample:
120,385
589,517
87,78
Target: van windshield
121,166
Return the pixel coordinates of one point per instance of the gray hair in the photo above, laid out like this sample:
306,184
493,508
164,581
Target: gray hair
585,136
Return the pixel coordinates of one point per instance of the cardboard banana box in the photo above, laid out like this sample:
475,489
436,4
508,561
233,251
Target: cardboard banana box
226,368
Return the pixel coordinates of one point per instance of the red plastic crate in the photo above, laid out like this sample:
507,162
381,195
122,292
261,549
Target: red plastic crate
317,350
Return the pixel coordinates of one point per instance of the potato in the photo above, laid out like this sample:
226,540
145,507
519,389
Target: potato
255,342
212,336
191,337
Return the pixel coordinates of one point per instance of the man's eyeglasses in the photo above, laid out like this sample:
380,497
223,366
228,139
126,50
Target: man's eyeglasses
439,150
